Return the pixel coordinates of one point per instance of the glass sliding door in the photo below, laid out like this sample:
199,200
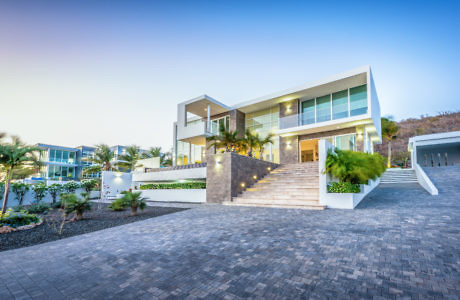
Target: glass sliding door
340,105
358,100
323,108
308,112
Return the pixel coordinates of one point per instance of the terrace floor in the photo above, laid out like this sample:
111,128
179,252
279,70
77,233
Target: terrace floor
399,242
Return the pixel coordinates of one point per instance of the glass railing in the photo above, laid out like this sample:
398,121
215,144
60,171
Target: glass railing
308,119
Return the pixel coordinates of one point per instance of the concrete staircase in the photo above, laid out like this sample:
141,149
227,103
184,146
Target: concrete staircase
289,186
392,176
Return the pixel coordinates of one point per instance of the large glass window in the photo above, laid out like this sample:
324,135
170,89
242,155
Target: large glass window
323,108
215,124
65,157
308,112
358,100
52,155
71,157
340,105
345,142
264,122
58,156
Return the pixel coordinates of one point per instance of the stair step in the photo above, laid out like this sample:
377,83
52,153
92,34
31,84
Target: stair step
311,207
280,201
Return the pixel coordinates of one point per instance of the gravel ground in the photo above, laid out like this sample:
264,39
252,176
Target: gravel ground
93,220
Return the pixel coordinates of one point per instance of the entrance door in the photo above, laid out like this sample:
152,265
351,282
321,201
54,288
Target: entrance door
309,150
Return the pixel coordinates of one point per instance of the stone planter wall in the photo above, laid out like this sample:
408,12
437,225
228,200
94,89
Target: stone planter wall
228,174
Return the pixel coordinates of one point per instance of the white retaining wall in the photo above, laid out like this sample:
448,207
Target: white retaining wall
424,180
29,197
338,200
176,195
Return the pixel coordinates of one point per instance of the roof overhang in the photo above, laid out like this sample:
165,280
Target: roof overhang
314,89
199,106
434,139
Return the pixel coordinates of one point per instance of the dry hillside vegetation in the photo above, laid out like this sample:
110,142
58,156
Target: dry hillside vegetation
443,122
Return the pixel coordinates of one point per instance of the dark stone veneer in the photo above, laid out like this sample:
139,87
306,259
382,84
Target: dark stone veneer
224,179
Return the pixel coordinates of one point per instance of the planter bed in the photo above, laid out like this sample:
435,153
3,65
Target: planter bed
93,220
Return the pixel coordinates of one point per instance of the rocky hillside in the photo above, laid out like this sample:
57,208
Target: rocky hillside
444,122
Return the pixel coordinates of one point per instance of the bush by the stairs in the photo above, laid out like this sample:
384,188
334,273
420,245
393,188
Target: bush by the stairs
343,187
354,167
168,186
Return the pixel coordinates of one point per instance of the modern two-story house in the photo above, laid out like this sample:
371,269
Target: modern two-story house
343,109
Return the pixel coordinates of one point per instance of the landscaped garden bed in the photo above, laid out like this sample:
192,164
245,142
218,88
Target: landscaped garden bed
93,220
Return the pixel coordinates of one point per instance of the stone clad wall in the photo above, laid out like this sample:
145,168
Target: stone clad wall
227,171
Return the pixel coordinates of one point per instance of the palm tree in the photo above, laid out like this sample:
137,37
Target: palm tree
389,132
165,158
13,156
251,141
129,160
152,152
225,139
261,142
103,160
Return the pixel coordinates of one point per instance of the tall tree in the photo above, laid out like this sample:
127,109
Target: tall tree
152,152
225,139
261,142
251,141
12,156
103,160
130,159
389,133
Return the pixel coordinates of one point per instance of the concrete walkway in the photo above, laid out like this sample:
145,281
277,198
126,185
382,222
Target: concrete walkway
399,242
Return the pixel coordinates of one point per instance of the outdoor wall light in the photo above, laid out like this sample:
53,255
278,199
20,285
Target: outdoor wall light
243,184
269,169
255,176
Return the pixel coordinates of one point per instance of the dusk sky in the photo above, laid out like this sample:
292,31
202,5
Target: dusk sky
86,72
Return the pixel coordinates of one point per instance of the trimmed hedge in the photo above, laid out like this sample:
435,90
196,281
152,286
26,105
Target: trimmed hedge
174,186
343,187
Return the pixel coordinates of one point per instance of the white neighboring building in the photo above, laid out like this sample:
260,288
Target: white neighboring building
439,149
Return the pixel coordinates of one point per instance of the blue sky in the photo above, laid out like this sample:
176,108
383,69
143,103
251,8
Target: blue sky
87,72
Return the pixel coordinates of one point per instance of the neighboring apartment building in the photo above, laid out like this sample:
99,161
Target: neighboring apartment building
343,109
66,163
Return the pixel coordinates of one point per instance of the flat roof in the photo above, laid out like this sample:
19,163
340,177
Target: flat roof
338,82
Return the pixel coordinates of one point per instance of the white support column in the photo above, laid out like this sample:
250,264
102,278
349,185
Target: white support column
209,118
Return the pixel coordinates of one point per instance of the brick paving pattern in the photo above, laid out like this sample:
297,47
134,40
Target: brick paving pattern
400,243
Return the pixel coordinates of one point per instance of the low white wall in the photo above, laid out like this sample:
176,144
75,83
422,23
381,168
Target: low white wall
113,183
29,197
176,195
349,200
171,175
424,180
338,200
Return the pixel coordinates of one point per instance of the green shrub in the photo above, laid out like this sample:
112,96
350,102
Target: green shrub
70,187
354,167
57,204
73,204
40,191
168,186
118,205
343,187
20,189
17,218
54,190
38,208
88,184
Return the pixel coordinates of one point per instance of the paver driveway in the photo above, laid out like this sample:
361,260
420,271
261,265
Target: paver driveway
400,242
